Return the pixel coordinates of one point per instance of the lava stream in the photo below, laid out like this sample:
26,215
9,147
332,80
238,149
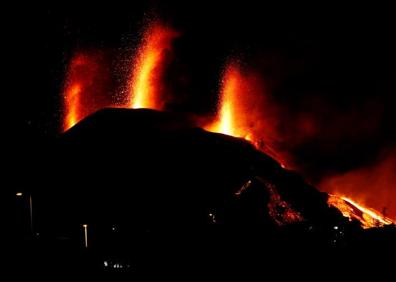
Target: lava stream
368,218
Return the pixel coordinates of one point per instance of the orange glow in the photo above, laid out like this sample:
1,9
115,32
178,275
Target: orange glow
280,211
245,112
72,93
72,102
85,89
226,122
367,217
145,86
230,110
373,186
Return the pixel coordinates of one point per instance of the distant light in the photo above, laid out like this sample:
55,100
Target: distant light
106,264
212,217
85,235
335,227
19,194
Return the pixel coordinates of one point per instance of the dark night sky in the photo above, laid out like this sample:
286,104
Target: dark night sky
332,58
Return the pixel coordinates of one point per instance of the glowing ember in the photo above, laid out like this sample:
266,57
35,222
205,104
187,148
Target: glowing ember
367,217
280,211
85,88
145,86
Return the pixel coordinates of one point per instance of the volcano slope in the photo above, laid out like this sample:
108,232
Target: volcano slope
157,192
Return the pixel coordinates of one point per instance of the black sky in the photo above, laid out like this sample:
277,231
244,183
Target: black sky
343,56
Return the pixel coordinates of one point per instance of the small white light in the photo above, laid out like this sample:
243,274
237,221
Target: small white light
19,194
335,227
106,264
212,217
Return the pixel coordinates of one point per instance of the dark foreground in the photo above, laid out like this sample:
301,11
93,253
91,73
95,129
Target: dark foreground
152,196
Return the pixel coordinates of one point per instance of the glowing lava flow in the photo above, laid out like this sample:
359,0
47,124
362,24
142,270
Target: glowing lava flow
145,86
280,211
367,217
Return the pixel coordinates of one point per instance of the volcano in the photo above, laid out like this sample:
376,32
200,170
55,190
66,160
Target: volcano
159,159
146,184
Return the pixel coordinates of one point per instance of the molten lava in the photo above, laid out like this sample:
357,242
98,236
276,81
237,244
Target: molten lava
367,217
72,103
145,86
226,123
373,185
231,113
280,211
72,93
86,88
245,112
